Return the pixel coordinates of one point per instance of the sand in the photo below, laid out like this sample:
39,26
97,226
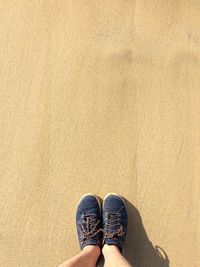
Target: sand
99,96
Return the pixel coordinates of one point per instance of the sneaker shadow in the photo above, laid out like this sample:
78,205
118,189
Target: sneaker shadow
139,251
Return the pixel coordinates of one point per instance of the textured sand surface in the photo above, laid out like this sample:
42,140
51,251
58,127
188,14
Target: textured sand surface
99,96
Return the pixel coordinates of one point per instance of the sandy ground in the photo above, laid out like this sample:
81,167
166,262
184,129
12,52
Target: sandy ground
99,96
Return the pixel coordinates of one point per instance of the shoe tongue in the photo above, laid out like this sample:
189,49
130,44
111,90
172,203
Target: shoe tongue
113,223
114,228
90,223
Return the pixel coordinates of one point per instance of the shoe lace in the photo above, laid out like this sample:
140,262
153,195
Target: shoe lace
113,228
89,226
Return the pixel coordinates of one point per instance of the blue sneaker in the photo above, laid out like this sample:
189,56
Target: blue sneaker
88,221
115,221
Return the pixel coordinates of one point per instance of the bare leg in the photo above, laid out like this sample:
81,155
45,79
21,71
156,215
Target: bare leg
113,257
87,257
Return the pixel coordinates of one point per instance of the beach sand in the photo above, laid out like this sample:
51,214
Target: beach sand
99,96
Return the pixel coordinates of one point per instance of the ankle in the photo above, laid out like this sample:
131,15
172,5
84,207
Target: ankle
92,250
108,249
